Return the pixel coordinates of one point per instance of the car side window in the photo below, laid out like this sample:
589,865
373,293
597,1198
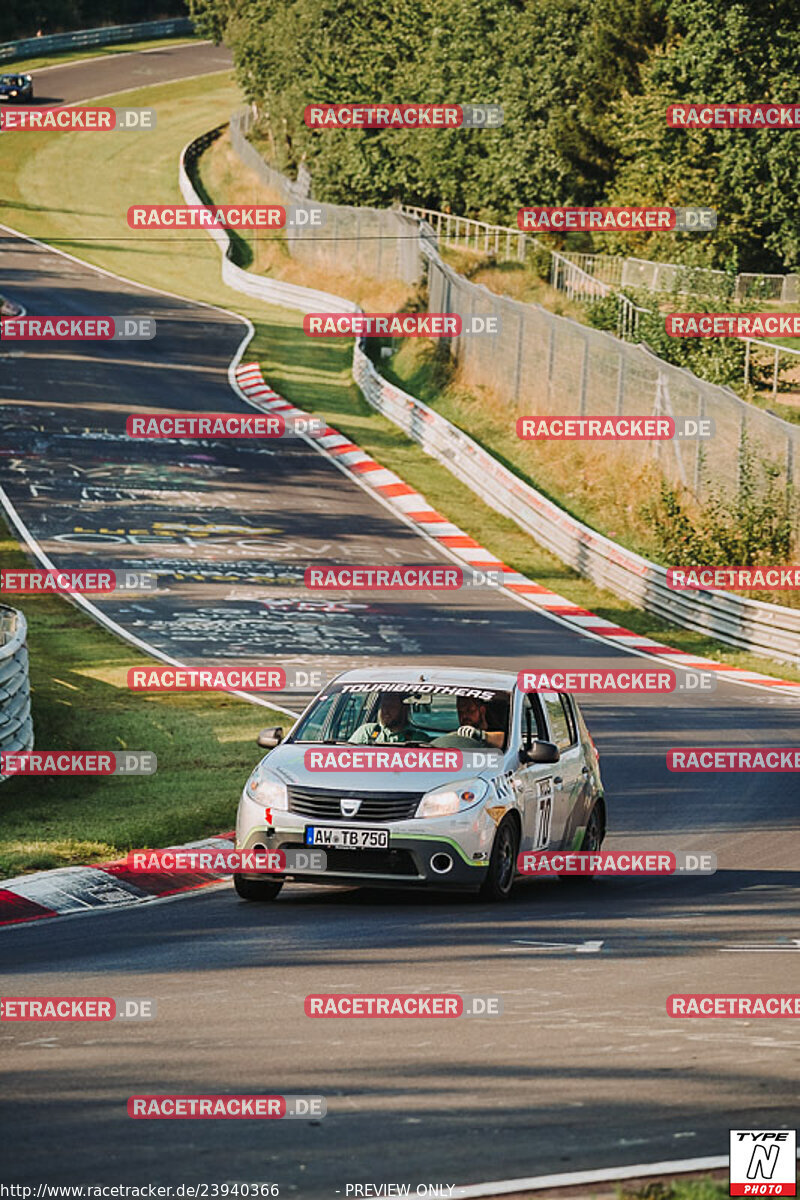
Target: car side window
557,719
569,713
533,717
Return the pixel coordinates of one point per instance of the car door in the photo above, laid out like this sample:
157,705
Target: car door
534,782
568,773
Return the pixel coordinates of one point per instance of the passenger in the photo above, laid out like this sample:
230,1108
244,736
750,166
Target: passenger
392,725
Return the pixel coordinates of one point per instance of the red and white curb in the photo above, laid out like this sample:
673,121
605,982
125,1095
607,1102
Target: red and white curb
69,890
416,510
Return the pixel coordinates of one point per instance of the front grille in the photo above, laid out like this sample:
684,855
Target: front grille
375,806
365,862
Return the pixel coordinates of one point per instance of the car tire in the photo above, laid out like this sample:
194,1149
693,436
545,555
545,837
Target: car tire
595,830
256,889
593,836
502,862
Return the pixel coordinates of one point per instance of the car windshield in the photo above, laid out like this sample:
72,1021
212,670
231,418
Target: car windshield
419,714
12,80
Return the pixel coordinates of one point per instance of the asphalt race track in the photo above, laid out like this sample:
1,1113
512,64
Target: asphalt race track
584,1069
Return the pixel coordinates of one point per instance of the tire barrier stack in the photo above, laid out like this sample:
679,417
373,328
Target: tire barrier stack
16,723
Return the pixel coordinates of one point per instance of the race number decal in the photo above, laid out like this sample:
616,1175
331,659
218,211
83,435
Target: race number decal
544,812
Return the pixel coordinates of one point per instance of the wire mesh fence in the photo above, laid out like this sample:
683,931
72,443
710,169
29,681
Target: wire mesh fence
381,243
542,363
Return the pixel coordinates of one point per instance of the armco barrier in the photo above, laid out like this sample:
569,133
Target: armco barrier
16,724
766,629
272,290
107,35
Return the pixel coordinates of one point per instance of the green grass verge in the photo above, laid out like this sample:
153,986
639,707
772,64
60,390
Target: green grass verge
706,1188
64,187
61,58
204,743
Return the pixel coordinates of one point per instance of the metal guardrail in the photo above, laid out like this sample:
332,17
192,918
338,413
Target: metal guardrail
16,723
465,233
273,291
770,630
106,35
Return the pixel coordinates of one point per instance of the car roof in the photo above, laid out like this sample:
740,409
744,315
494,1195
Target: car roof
455,676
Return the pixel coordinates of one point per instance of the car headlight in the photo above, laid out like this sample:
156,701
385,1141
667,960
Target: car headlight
452,798
12,93
264,788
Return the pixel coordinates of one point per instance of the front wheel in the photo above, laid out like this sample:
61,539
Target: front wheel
595,831
256,889
502,863
593,836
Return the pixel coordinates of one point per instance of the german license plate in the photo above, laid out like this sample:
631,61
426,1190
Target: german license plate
349,839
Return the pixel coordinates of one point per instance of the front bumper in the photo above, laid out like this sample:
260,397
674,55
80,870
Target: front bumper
451,852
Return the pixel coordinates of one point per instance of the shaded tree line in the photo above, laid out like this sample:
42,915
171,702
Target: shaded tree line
584,85
23,20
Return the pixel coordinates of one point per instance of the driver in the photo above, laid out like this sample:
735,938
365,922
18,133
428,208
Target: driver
392,724
472,721
481,723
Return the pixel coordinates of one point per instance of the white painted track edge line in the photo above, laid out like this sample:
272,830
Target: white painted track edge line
681,1166
100,617
604,1175
94,612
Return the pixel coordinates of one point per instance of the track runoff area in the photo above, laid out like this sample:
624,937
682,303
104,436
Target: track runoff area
627,1027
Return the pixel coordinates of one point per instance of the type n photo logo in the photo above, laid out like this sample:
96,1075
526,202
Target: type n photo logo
763,1162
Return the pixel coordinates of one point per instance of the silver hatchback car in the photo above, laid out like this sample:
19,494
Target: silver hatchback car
529,780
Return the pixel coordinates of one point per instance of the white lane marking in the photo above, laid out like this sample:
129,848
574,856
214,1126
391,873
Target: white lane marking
790,947
588,947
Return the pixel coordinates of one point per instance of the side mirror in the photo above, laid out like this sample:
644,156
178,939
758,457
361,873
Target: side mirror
539,752
268,739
